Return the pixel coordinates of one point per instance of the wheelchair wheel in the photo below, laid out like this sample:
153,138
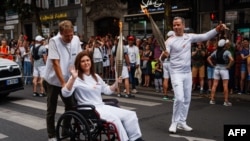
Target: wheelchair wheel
72,126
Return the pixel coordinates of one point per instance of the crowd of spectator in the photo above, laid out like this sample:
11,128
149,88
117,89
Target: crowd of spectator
150,65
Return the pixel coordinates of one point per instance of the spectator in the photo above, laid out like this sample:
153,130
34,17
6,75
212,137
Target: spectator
164,58
146,65
27,66
158,78
244,55
211,47
134,58
125,69
198,65
224,61
38,65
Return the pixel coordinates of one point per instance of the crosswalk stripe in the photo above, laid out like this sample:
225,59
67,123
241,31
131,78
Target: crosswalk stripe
37,105
128,108
42,106
26,120
2,136
135,101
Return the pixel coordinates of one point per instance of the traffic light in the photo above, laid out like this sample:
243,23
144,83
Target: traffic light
213,16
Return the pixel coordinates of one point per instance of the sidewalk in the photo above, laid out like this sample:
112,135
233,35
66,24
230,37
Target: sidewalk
234,97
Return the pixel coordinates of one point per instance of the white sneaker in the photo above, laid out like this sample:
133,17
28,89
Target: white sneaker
184,127
227,103
172,128
134,91
212,102
52,139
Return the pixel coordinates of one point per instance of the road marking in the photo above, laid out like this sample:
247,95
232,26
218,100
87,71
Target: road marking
190,138
2,136
30,121
134,101
37,105
128,108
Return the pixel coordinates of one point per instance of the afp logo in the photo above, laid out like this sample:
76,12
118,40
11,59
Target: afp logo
236,132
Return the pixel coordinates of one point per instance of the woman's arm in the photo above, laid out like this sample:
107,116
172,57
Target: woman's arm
67,89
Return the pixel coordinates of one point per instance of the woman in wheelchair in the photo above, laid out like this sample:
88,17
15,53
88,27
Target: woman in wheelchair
88,86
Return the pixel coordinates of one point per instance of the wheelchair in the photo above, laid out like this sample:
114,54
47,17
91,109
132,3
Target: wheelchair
83,123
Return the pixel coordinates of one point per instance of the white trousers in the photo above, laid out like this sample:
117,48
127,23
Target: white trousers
182,85
126,121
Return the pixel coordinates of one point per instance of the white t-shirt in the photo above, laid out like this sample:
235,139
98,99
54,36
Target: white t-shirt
65,53
179,48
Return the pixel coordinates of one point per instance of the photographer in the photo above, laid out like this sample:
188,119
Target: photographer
198,65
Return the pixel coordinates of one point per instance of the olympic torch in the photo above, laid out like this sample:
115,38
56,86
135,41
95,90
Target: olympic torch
119,53
156,31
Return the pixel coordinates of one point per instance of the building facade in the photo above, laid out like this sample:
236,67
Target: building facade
101,17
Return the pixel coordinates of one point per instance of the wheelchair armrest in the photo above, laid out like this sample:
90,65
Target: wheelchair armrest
111,101
86,106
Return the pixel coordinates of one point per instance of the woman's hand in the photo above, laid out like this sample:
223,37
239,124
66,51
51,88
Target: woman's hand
119,79
73,72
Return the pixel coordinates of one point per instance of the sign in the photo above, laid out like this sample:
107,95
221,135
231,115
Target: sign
11,17
153,5
53,16
231,15
8,27
12,22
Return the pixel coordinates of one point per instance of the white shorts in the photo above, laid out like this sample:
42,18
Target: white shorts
125,73
39,71
166,70
221,73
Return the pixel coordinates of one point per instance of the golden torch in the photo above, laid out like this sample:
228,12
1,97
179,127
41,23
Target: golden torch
119,53
156,31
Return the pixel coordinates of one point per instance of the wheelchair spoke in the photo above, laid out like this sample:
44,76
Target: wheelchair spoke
72,126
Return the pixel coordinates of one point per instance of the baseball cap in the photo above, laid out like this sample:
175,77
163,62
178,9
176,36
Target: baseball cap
131,38
221,43
170,33
39,38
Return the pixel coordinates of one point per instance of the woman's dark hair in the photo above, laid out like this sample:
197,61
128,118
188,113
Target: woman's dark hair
78,64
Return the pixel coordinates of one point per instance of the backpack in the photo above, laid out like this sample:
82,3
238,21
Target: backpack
35,51
219,57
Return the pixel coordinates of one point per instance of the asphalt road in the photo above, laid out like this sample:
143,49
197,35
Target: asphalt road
22,116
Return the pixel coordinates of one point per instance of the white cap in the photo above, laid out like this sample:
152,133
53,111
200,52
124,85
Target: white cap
122,37
39,38
170,33
221,43
227,41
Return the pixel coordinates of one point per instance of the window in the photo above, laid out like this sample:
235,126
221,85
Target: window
64,2
56,3
77,1
27,1
45,4
38,3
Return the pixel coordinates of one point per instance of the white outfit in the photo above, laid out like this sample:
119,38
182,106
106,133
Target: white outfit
166,68
125,73
65,53
133,54
179,48
220,70
39,65
88,91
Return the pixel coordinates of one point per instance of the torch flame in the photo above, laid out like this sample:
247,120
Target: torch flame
144,10
120,26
